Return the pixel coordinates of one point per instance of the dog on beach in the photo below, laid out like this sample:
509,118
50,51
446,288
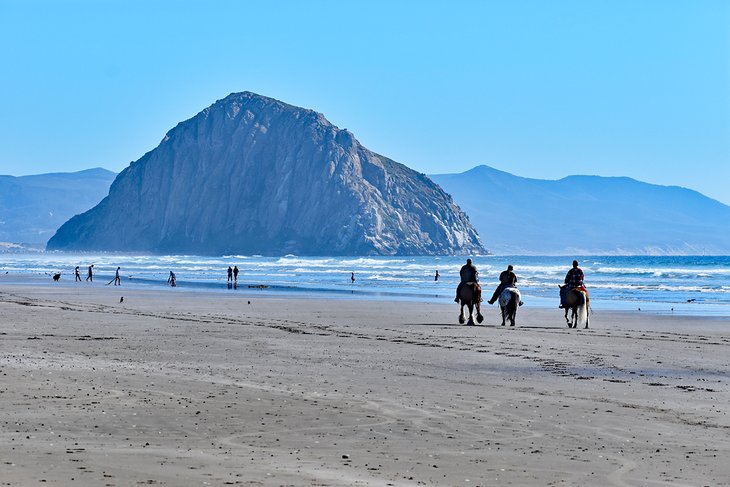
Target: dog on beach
57,276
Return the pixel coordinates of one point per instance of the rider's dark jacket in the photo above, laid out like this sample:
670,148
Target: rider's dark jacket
508,279
469,273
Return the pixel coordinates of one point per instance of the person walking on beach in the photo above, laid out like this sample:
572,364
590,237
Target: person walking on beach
230,274
352,277
468,273
171,280
90,275
78,274
117,279
436,277
506,279
235,274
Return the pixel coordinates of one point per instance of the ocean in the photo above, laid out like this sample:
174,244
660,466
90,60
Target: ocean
684,285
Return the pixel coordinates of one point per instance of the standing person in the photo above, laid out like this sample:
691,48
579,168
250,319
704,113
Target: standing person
436,277
352,277
117,279
171,280
90,275
230,274
235,274
506,279
574,277
468,273
78,274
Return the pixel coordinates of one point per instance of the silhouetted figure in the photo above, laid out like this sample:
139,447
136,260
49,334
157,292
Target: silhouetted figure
468,273
78,274
90,275
573,280
235,274
574,277
352,277
506,279
117,279
230,274
171,280
436,277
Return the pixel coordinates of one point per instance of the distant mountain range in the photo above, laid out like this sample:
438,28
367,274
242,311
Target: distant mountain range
576,215
253,175
588,215
33,207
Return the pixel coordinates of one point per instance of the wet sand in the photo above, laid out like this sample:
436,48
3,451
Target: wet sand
185,388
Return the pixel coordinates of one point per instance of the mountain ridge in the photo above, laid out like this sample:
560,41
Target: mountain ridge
587,214
32,207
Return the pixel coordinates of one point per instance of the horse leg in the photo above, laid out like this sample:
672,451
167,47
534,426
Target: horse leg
566,316
480,318
504,314
513,314
462,319
471,314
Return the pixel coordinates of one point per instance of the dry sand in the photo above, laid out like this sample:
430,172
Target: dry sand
187,389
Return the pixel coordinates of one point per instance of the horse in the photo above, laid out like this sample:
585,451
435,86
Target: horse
578,302
509,301
470,295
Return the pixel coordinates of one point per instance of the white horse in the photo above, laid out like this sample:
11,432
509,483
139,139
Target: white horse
509,301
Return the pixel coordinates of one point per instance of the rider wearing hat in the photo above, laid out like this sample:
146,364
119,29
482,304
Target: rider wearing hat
506,279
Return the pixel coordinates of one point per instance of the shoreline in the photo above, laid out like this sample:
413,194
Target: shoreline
189,388
647,308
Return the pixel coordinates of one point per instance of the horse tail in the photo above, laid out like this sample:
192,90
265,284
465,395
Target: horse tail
583,310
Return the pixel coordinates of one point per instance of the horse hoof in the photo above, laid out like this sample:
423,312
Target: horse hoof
461,320
480,318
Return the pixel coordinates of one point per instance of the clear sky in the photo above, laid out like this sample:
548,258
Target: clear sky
540,89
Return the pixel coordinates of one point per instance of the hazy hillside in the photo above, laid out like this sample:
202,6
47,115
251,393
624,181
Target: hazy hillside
587,215
33,207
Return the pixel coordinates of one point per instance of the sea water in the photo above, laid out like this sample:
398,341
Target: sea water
683,285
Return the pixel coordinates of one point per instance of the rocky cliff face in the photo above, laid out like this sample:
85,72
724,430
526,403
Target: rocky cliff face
252,175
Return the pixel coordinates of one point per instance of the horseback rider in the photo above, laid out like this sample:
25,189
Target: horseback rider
574,277
573,280
468,273
506,279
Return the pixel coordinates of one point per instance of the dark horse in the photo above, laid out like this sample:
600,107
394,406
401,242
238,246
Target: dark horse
577,301
470,295
509,301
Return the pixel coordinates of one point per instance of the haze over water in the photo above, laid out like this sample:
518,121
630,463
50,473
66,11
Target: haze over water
682,285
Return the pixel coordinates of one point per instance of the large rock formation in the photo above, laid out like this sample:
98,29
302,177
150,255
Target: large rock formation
253,175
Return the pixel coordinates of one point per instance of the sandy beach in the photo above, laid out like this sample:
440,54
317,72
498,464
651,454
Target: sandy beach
180,388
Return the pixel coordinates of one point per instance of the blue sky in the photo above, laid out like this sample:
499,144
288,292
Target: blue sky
541,89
